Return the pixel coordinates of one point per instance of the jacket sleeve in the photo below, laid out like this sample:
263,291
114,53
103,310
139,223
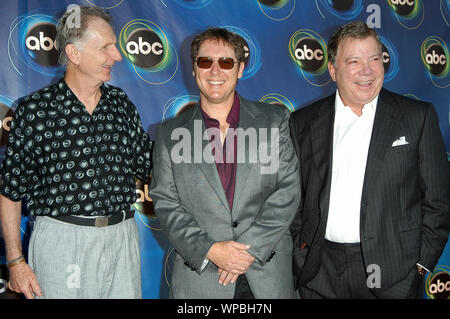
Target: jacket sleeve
278,210
296,224
183,232
434,173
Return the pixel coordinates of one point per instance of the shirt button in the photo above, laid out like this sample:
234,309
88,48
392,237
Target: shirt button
235,224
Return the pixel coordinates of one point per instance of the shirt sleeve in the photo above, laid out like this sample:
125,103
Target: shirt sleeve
17,172
141,145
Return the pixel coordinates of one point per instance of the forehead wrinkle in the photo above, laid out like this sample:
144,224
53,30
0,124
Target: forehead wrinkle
93,33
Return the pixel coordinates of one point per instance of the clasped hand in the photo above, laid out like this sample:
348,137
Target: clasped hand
231,258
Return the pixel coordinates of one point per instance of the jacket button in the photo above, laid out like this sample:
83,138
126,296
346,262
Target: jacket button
270,257
235,224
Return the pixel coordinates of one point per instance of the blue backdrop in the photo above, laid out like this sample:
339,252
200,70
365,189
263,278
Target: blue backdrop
286,43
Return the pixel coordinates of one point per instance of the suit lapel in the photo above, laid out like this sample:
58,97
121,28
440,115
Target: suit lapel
383,134
248,118
322,141
205,160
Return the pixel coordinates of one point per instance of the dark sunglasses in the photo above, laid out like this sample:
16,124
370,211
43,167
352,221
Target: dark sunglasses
224,63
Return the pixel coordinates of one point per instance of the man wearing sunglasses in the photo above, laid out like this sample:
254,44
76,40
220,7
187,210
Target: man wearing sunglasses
225,213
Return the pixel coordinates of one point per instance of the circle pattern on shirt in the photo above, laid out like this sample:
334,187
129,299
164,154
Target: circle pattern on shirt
68,161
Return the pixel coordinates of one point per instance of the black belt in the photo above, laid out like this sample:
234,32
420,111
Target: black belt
100,221
342,246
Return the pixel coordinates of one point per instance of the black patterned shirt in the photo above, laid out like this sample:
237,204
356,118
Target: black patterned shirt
63,160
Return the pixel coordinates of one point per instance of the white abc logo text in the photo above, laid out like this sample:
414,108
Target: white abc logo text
143,195
35,44
403,2
6,123
144,47
3,285
386,57
439,287
308,54
434,58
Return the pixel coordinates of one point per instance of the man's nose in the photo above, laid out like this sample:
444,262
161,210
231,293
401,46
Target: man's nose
115,54
366,68
215,68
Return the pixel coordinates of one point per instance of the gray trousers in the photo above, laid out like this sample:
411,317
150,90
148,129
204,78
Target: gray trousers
82,262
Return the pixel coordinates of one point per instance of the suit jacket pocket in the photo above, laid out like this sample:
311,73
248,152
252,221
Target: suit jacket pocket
403,148
299,260
410,244
285,243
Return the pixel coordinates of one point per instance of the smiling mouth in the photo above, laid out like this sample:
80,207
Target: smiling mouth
364,83
215,82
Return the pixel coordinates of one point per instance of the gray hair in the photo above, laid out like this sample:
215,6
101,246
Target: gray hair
354,29
72,26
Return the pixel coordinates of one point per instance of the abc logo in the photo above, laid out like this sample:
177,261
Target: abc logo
144,48
310,54
269,2
436,59
386,57
40,42
439,286
6,115
185,108
403,7
246,54
144,200
342,5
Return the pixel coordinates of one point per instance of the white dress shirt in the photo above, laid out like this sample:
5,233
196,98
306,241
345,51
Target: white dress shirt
351,139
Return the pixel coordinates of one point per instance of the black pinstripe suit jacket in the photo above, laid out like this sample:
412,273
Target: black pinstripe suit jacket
405,200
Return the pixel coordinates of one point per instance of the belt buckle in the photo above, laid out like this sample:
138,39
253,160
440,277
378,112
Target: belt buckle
101,221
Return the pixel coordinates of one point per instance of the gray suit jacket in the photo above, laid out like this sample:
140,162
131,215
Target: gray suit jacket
191,206
405,201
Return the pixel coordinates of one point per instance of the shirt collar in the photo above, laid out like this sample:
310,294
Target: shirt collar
233,115
339,105
62,86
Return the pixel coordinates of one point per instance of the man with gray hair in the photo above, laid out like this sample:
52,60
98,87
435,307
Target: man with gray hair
375,211
74,151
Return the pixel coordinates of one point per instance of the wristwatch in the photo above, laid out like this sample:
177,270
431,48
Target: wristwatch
421,270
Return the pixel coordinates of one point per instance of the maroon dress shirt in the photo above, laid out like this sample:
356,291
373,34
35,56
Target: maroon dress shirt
225,158
226,163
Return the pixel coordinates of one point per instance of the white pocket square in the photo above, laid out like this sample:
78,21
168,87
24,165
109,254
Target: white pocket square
400,141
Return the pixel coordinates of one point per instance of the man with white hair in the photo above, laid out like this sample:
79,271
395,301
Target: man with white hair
74,151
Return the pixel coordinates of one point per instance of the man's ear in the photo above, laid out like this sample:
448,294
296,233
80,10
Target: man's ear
73,54
332,71
241,69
